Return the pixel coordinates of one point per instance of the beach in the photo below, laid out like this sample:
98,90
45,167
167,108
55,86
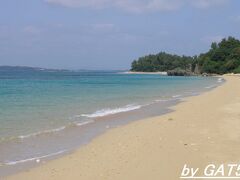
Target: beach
201,130
47,114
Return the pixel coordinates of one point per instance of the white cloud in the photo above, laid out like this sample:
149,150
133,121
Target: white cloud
207,3
138,5
82,3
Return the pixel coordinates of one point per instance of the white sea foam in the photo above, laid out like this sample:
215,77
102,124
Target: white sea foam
220,80
176,96
83,123
37,159
209,87
162,100
42,132
54,130
106,112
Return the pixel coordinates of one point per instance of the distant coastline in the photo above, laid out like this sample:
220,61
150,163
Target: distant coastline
28,68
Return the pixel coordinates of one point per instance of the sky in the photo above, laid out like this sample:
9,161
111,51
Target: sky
110,34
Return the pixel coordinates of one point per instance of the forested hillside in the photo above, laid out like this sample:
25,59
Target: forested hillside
223,57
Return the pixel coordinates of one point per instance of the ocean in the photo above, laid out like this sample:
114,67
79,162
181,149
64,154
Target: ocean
48,113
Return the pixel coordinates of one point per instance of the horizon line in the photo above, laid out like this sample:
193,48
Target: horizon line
66,69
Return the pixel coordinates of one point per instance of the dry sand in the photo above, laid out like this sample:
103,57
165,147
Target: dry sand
204,129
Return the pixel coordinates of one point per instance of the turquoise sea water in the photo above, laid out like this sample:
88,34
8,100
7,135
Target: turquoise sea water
36,104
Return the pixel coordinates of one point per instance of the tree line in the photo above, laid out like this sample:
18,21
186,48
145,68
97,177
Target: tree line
223,57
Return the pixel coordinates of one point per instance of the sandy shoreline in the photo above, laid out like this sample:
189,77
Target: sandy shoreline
204,129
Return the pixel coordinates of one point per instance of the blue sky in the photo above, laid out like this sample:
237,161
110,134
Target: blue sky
109,34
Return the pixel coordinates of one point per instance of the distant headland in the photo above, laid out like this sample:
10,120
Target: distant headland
222,58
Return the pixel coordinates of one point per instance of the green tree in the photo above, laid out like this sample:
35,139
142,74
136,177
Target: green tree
223,57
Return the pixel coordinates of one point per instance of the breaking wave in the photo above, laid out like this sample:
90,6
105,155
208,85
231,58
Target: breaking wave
106,112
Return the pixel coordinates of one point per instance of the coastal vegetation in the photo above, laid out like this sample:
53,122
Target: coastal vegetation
222,57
